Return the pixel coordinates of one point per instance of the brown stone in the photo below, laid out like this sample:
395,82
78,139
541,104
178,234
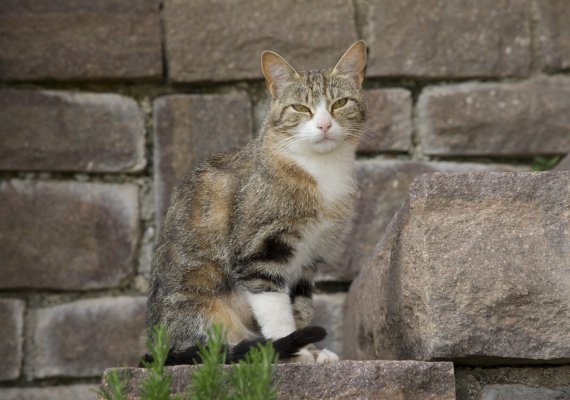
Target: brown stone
554,31
474,268
190,128
383,187
510,119
66,131
83,338
78,40
11,331
328,313
394,380
223,41
389,125
72,392
446,39
67,235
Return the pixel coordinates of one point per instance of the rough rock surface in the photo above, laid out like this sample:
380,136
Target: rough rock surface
389,124
433,38
383,187
564,164
77,40
83,338
11,337
394,380
72,392
504,119
521,392
67,131
67,235
473,268
207,50
554,33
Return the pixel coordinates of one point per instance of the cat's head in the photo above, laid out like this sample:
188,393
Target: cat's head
319,110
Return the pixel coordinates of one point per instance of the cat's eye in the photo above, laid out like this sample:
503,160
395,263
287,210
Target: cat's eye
339,103
301,108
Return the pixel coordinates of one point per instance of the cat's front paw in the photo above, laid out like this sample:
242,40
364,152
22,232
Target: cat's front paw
325,356
303,356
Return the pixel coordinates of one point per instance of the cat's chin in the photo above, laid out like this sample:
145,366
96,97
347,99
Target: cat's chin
325,146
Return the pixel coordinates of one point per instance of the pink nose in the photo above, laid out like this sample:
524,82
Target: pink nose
324,125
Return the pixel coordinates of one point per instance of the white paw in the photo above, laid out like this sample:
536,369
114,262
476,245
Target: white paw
304,356
326,357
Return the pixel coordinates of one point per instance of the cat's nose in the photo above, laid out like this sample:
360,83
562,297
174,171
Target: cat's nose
324,125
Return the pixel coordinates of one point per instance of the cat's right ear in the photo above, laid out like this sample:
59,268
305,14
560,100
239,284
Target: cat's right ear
277,71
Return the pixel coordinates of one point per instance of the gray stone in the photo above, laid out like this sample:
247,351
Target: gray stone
189,129
328,313
473,268
389,125
447,39
83,338
223,41
470,381
67,131
72,392
11,330
554,31
503,119
78,40
394,380
563,165
67,235
519,392
383,187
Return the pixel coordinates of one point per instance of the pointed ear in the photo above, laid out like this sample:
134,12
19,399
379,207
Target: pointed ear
353,62
276,70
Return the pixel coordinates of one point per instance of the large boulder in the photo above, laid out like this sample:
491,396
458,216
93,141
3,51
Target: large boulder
474,268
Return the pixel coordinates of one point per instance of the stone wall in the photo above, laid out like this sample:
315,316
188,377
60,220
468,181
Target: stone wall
104,104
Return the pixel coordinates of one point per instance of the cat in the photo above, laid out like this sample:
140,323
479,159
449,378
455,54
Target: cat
246,230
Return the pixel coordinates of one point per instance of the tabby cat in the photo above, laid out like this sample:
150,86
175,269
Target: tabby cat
246,230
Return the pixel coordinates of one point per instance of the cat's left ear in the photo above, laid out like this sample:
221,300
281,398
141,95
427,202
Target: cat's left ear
353,62
277,71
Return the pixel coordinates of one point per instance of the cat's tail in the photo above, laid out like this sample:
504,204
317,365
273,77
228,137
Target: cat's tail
285,347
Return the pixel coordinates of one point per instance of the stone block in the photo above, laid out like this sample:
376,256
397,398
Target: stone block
67,235
190,128
328,313
223,41
563,165
496,119
447,39
554,34
473,268
67,131
394,380
11,332
521,392
78,40
389,125
383,187
71,392
83,338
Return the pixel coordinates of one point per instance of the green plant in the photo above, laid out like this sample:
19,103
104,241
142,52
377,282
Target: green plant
252,377
208,381
117,388
156,385
544,163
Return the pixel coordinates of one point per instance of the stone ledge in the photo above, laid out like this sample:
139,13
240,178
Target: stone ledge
392,380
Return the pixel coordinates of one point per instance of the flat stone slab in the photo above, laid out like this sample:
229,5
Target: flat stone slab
474,268
394,380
